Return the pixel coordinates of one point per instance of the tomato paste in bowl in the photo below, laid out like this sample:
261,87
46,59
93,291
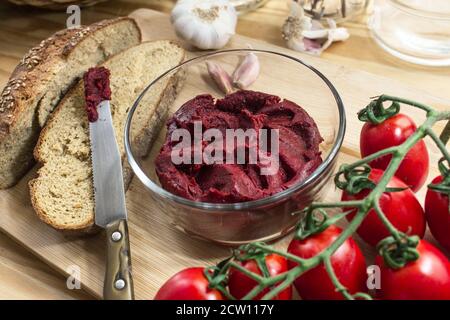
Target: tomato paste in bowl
248,199
224,179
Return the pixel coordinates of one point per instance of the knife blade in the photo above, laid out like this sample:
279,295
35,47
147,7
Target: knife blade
110,208
107,169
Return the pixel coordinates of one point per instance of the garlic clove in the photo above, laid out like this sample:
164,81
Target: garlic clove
315,34
220,77
247,72
311,45
339,34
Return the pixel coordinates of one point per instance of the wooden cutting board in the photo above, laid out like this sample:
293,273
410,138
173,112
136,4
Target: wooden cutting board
158,248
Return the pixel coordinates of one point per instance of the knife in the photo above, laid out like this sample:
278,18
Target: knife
110,209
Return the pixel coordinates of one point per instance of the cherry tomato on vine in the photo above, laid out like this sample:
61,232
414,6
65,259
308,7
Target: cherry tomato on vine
240,285
427,278
188,284
347,262
438,215
392,132
401,208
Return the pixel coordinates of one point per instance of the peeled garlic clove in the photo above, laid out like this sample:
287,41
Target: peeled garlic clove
220,77
247,72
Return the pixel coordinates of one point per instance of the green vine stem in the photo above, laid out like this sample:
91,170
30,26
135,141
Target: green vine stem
397,249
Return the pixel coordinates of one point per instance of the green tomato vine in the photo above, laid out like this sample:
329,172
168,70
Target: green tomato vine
397,250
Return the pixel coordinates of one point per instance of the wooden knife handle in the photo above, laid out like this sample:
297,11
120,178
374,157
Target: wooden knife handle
118,280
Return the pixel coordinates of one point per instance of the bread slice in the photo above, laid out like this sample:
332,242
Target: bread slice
40,80
62,194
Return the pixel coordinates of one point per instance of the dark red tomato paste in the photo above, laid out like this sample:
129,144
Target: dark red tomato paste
298,148
96,90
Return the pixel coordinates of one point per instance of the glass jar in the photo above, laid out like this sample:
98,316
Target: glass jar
243,6
416,31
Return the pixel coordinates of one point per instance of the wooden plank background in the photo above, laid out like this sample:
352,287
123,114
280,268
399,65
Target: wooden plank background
21,28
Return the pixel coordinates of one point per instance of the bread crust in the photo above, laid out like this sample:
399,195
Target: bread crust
29,95
37,63
86,228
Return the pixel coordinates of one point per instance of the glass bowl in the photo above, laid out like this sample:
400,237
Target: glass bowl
413,30
259,220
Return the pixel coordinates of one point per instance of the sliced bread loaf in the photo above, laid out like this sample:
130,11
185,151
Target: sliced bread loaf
62,194
43,77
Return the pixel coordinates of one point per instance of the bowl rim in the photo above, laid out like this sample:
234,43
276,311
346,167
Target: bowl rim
417,12
238,206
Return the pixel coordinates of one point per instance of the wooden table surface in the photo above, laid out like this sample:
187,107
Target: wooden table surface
22,276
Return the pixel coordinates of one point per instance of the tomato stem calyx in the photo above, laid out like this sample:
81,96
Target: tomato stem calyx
353,180
397,252
315,221
375,112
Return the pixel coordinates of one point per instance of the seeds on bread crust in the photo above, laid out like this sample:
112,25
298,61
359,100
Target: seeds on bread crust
33,57
73,41
7,99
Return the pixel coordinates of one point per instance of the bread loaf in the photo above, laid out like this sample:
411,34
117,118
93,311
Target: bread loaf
62,194
43,76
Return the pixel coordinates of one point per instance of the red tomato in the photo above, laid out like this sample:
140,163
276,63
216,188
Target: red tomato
188,284
438,216
401,208
427,278
348,263
394,131
240,284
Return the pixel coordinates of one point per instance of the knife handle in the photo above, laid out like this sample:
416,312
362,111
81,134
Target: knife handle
118,280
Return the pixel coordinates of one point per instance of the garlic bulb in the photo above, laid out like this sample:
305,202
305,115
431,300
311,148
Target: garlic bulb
308,35
206,24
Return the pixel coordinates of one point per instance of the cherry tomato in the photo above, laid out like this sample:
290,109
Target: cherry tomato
240,284
437,214
394,131
401,208
188,284
427,278
348,263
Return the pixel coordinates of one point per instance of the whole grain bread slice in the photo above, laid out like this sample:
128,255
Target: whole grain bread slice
62,194
40,80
